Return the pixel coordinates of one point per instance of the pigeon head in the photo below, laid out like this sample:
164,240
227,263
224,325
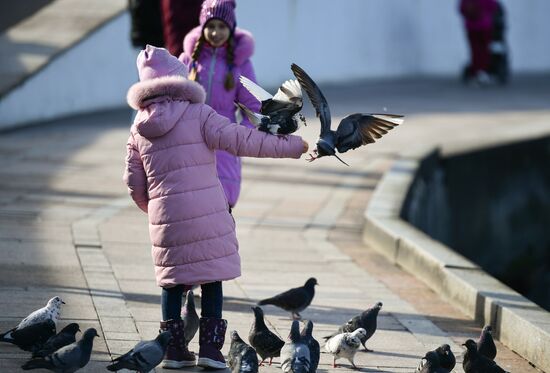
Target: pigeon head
470,345
487,329
72,328
164,338
325,146
90,334
258,312
378,305
55,302
235,337
307,331
359,333
311,282
432,358
190,299
294,335
445,349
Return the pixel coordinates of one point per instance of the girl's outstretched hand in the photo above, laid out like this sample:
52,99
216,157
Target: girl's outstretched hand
306,146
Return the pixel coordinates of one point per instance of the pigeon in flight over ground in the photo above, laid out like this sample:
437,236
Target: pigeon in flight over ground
474,362
366,320
266,343
241,358
430,364
31,337
66,336
144,357
312,344
278,114
352,132
190,317
67,359
295,355
294,300
486,344
345,345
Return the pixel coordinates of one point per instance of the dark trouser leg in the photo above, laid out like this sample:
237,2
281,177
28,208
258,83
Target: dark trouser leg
170,301
212,300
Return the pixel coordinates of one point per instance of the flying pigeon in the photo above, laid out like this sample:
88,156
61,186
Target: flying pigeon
486,344
295,356
241,358
430,364
278,114
145,355
474,362
65,337
190,317
366,320
266,343
352,132
312,344
31,337
345,345
67,359
294,300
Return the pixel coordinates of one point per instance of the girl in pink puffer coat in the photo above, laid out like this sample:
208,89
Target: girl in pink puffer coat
171,175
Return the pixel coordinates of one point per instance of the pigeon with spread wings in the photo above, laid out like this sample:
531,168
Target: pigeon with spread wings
279,114
352,132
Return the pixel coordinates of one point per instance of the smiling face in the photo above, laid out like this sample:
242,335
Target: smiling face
216,32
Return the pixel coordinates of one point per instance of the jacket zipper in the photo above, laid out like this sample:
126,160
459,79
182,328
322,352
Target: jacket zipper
211,75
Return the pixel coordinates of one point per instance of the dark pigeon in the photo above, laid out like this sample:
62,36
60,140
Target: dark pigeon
486,344
66,336
431,364
366,320
67,359
353,131
241,358
31,337
446,357
190,317
278,114
294,300
474,362
312,344
267,344
144,357
295,356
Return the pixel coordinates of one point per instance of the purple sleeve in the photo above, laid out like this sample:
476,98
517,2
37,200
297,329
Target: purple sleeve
134,175
245,97
219,133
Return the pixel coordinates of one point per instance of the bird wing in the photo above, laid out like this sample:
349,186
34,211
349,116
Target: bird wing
256,91
291,299
254,118
316,97
362,129
288,91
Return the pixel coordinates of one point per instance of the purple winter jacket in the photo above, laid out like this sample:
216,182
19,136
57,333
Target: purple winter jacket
171,175
478,14
212,69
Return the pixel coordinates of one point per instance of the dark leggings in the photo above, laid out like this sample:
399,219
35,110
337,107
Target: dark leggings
211,301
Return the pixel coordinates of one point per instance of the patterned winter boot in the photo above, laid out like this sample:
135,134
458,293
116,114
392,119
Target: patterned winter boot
177,355
211,338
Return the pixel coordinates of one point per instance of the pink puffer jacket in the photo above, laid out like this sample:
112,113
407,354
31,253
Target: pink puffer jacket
171,175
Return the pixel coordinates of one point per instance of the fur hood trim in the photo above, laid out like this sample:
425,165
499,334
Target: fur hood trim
173,87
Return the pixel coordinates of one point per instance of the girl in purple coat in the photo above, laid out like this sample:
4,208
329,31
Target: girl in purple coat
217,53
171,175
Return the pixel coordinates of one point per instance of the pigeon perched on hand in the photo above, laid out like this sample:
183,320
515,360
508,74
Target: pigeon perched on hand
474,362
241,358
352,132
278,114
295,355
312,344
266,343
66,336
294,300
31,337
145,355
345,345
486,344
190,317
67,359
366,320
431,364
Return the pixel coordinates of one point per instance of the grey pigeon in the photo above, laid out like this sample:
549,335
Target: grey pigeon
312,344
446,357
67,359
431,364
474,362
486,344
66,336
345,345
294,300
190,317
366,320
241,358
266,343
278,114
353,131
145,355
295,356
31,337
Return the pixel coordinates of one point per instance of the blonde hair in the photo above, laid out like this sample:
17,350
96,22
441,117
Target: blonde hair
229,81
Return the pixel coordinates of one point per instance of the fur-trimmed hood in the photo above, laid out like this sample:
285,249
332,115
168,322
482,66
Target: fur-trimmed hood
244,44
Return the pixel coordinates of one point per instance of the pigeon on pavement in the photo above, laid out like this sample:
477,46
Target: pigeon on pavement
31,337
241,358
67,359
145,355
353,131
312,344
294,300
65,337
431,364
190,317
345,345
278,114
295,356
474,362
446,357
486,344
266,343
366,320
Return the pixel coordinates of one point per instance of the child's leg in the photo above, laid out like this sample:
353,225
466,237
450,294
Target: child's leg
212,327
212,300
170,301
